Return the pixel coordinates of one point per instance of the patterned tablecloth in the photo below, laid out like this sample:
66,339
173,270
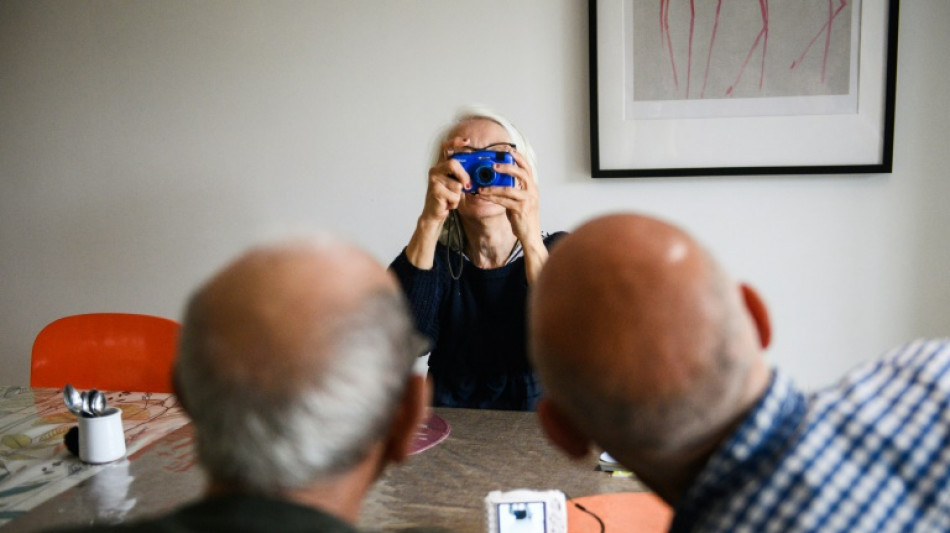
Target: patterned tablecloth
34,462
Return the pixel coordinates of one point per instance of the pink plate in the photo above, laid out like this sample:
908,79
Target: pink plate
433,431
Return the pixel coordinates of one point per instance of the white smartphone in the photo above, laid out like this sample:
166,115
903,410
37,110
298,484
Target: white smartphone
526,511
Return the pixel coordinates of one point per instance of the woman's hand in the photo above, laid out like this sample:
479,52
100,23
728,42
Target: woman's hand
447,179
521,201
521,204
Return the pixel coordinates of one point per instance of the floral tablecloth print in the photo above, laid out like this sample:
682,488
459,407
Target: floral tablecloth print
34,462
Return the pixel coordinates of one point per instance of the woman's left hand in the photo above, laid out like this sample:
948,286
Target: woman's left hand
520,201
521,206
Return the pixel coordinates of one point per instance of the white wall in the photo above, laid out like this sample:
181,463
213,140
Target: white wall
143,144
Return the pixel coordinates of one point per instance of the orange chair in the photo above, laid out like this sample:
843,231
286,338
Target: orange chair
108,351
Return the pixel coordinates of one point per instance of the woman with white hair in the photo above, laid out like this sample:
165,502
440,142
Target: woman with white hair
468,265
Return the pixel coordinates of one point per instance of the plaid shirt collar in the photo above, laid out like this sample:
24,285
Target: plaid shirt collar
755,447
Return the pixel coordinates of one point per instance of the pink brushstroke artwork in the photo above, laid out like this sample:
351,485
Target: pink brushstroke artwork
685,25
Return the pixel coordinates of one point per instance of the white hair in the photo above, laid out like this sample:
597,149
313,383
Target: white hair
326,417
474,112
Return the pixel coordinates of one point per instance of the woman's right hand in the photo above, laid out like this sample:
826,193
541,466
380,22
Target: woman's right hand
447,180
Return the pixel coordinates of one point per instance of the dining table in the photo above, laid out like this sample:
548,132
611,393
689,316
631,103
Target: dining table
460,456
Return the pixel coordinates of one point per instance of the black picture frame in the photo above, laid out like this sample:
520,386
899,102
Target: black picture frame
878,46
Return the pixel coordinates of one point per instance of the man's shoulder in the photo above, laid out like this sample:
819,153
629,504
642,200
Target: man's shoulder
919,361
920,353
245,513
242,513
551,238
415,529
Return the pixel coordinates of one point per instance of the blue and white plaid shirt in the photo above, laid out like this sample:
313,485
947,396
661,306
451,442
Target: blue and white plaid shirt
871,453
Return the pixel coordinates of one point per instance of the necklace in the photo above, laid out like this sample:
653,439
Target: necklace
455,230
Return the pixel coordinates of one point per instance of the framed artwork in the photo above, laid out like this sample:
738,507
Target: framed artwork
739,87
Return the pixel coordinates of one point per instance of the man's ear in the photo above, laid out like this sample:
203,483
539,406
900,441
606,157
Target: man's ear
561,431
760,315
412,410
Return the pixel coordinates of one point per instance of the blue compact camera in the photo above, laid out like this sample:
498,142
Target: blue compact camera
479,168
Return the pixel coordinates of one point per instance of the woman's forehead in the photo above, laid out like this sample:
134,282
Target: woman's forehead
480,129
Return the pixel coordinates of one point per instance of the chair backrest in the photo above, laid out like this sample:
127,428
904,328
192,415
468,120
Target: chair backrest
108,351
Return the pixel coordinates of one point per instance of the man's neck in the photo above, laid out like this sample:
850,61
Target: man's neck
670,475
341,495
343,499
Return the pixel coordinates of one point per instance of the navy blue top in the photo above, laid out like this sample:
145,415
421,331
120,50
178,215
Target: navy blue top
477,326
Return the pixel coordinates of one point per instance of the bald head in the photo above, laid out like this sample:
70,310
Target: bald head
278,305
639,337
293,360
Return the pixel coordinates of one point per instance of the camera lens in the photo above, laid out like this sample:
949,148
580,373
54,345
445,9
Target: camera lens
485,176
